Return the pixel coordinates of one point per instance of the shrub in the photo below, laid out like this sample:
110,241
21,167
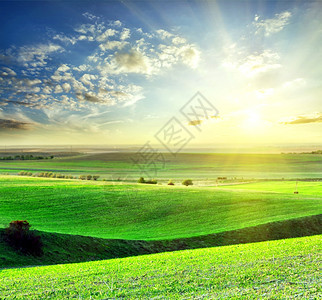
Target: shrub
152,181
95,177
19,236
82,177
187,182
141,180
170,182
89,177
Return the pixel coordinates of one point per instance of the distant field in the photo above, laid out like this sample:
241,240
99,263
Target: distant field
199,166
136,211
288,187
272,270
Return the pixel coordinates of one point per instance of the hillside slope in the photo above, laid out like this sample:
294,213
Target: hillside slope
145,212
63,248
272,270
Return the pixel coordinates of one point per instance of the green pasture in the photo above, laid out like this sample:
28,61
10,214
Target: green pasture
199,166
148,212
267,270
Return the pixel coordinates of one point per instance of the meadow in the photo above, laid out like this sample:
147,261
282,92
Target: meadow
148,212
197,166
116,217
268,270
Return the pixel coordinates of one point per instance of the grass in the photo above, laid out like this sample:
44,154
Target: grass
272,270
145,212
179,167
286,187
66,248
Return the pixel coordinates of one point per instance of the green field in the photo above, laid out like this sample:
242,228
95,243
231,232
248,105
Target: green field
271,270
81,221
148,212
198,166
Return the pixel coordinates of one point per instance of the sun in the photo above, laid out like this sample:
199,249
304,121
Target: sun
253,121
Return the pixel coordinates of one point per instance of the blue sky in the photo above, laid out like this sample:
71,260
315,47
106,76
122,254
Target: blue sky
109,72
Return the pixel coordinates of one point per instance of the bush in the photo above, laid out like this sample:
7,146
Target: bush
89,177
152,181
95,177
187,182
82,177
22,239
170,182
141,180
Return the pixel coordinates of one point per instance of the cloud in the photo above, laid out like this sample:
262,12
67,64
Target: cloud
65,39
163,34
63,68
37,56
125,34
8,72
7,124
58,89
90,16
110,45
195,122
305,119
104,36
296,83
132,62
271,26
255,63
66,86
86,79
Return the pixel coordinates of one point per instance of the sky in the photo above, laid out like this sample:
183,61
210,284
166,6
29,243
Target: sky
118,72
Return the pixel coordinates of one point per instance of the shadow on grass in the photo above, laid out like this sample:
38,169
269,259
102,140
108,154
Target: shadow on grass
64,248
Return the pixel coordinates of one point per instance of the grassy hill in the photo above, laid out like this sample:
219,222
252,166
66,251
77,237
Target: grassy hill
145,212
66,248
252,271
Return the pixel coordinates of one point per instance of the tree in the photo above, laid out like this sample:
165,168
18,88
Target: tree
187,182
18,235
170,182
141,180
89,177
95,177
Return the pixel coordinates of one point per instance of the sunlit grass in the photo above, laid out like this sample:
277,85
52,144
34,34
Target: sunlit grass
272,270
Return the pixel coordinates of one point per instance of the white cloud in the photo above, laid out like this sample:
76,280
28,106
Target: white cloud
58,89
81,68
104,36
163,34
116,23
90,16
110,45
274,25
65,39
86,79
66,86
47,89
8,72
255,63
178,40
37,55
63,68
125,34
296,83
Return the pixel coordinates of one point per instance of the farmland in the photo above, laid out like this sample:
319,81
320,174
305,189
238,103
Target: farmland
263,270
198,166
138,211
234,199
